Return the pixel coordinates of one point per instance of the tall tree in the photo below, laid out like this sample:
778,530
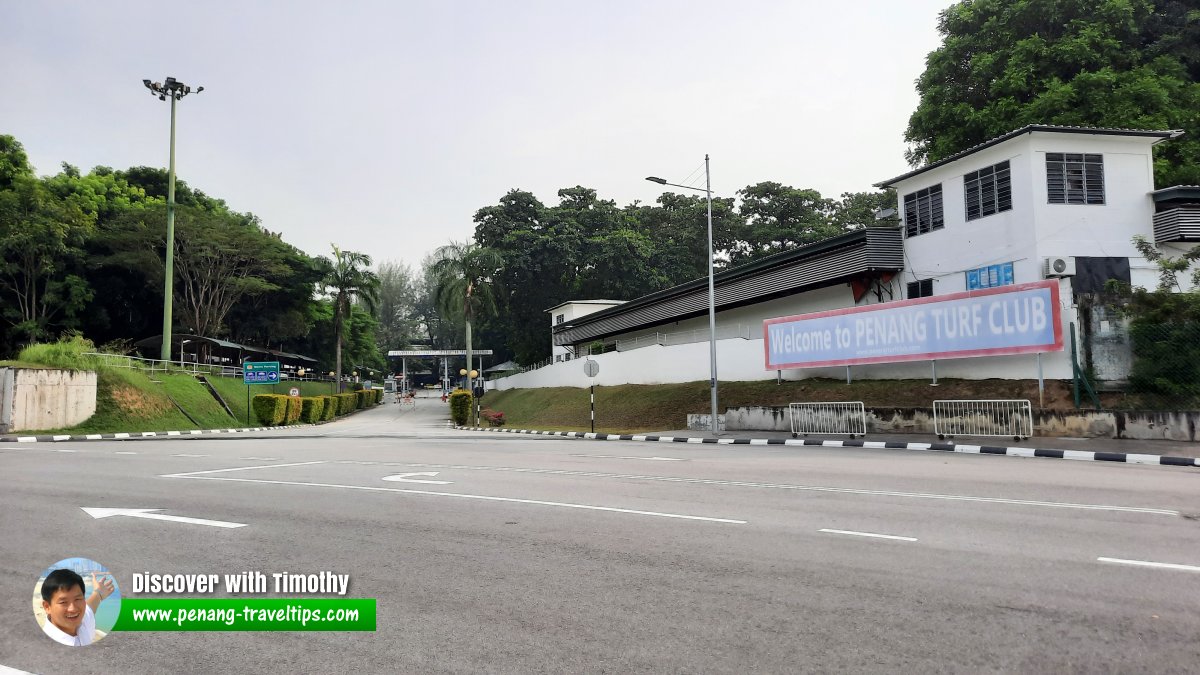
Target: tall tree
397,308
1004,64
465,274
348,280
780,217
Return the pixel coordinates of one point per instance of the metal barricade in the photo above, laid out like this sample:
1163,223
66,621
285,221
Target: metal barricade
989,417
840,417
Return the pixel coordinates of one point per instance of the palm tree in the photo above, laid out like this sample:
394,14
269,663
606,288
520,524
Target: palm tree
464,273
348,280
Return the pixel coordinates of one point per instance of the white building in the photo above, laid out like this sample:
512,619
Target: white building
1042,202
562,316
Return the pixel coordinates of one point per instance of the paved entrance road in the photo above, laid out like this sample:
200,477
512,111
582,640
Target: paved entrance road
555,555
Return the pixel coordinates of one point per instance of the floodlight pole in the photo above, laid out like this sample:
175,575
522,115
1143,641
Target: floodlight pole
175,90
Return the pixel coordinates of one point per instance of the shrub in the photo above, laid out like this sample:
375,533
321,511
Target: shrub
330,410
493,417
67,353
460,406
360,398
270,409
311,409
293,410
346,403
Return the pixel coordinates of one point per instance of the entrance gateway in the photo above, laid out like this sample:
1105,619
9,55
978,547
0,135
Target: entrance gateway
444,354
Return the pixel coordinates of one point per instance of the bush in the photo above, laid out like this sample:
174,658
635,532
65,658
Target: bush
270,409
460,406
293,410
330,410
67,353
346,403
360,398
311,409
493,417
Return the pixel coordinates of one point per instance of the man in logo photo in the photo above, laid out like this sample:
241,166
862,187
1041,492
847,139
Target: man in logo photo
70,620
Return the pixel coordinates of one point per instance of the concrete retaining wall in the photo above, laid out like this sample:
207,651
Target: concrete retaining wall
33,398
1134,425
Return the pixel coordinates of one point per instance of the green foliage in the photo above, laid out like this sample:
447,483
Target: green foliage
348,281
1106,63
294,408
67,353
270,409
329,409
362,398
347,403
1164,332
460,406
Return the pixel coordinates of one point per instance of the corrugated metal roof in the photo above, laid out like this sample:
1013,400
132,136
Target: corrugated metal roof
1105,131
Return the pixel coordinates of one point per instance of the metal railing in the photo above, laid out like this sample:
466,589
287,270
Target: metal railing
830,417
989,417
223,370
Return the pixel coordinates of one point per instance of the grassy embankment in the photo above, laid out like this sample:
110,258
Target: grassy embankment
663,407
131,400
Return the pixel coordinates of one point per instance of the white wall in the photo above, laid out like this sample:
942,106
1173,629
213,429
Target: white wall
35,398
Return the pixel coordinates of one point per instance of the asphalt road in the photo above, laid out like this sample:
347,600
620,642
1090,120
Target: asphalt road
545,554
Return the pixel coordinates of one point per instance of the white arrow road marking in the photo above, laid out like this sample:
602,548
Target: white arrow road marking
146,513
1147,563
404,478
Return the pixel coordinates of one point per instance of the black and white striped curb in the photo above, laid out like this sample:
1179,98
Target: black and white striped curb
1127,458
58,438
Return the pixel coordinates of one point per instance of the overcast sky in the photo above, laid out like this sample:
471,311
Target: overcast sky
383,126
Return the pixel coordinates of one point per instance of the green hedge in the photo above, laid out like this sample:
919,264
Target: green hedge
270,409
346,403
361,398
311,409
329,411
460,406
293,410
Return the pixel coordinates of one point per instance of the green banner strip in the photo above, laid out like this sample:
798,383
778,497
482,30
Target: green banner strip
246,614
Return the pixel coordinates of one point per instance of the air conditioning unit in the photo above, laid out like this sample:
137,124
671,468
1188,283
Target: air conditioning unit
1063,266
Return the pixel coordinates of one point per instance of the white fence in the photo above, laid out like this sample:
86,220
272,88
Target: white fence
989,417
840,417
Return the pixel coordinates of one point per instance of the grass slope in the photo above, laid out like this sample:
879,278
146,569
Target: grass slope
662,407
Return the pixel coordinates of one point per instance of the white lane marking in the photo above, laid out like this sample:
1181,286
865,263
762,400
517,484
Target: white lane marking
653,459
96,512
5,670
265,459
1146,563
124,452
27,439
538,502
869,534
237,468
187,455
404,478
803,488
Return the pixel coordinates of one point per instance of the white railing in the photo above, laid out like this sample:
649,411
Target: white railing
223,370
988,417
831,417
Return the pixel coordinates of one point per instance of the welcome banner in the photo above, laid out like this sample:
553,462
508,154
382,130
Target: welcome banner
1020,319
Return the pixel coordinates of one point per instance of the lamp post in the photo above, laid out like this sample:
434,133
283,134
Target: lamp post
175,90
712,302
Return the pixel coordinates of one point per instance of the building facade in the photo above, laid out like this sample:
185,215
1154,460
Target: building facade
1042,202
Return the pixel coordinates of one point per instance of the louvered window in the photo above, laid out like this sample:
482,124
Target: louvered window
920,289
988,191
1073,178
923,211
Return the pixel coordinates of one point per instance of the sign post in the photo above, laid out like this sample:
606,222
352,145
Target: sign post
591,369
258,372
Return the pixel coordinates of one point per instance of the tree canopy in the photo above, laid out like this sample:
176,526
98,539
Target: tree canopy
1004,64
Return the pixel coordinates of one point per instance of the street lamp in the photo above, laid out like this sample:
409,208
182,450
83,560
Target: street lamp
712,301
175,90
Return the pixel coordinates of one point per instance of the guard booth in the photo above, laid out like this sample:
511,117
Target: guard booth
449,375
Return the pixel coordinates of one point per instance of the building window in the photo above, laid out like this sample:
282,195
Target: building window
988,191
1073,178
559,318
558,358
923,211
920,289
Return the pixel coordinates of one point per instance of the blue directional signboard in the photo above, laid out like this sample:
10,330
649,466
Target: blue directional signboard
260,372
